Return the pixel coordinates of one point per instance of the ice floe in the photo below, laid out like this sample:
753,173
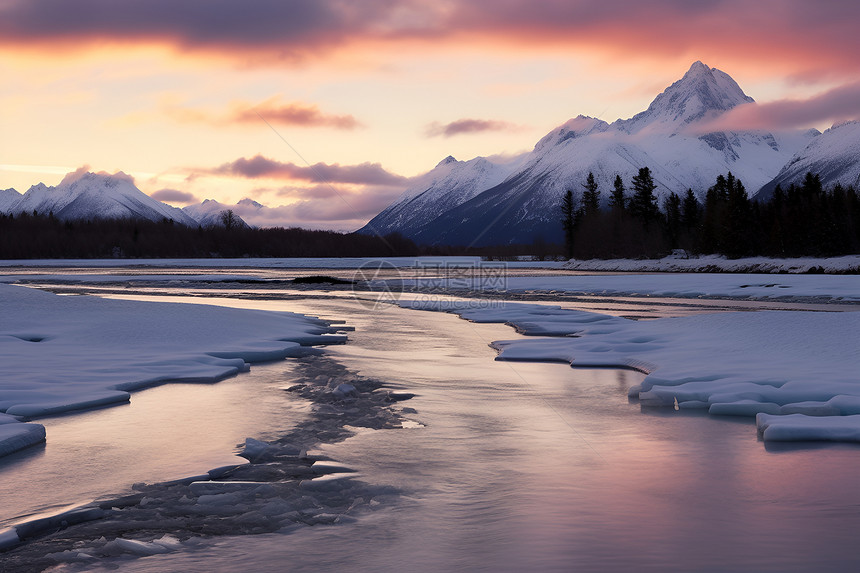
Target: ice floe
798,371
62,353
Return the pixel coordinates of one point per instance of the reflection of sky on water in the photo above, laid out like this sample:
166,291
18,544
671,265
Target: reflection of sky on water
167,432
526,466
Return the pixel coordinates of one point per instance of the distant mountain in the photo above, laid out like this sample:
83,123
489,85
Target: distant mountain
834,156
209,214
8,197
524,206
88,195
446,186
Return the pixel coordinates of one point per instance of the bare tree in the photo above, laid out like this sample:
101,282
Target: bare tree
229,219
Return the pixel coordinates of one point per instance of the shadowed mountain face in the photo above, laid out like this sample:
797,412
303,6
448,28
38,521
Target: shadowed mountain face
523,204
834,156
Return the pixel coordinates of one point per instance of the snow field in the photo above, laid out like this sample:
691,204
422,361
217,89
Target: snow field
743,285
798,371
63,353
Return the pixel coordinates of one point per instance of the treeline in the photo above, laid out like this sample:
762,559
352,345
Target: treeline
802,220
35,236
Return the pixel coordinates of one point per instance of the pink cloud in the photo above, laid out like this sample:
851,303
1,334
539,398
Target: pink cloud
173,196
295,114
834,106
361,174
340,209
797,35
465,126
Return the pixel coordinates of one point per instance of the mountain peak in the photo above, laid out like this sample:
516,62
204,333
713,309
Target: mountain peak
698,69
579,126
250,203
703,93
446,161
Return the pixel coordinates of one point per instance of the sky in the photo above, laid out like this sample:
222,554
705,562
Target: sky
326,109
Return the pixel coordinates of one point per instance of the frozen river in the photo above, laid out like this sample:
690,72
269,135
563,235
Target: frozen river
506,466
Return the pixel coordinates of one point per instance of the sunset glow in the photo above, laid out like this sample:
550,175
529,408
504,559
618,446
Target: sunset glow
328,108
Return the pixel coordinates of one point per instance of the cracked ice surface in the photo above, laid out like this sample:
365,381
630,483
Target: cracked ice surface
798,370
62,353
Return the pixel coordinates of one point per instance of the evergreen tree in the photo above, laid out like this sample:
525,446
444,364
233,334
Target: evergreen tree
672,205
568,214
736,223
643,204
617,200
690,211
590,197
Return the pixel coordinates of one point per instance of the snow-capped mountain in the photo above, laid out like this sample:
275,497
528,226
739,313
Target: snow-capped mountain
84,195
446,186
209,213
8,197
703,93
665,138
834,156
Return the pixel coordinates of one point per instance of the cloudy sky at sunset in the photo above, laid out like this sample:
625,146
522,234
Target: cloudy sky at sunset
328,107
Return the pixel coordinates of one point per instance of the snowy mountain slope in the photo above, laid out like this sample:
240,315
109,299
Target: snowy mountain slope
702,94
446,186
834,156
97,196
8,197
664,138
208,213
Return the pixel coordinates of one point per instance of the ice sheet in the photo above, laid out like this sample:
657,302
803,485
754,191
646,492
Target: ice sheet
61,353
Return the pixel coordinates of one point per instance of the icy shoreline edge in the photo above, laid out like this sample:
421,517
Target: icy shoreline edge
794,371
71,353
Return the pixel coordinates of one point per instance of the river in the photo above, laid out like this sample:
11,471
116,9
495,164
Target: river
507,466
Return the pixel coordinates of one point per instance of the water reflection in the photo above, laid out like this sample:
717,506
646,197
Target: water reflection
167,432
525,466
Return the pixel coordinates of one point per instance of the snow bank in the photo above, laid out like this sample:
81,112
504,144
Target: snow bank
791,365
798,427
14,437
717,263
747,286
62,353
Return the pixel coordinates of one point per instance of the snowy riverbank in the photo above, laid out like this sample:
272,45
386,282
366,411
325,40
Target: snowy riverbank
831,288
63,353
720,264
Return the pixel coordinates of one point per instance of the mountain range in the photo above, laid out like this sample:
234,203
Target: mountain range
486,202
493,200
85,195
209,213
